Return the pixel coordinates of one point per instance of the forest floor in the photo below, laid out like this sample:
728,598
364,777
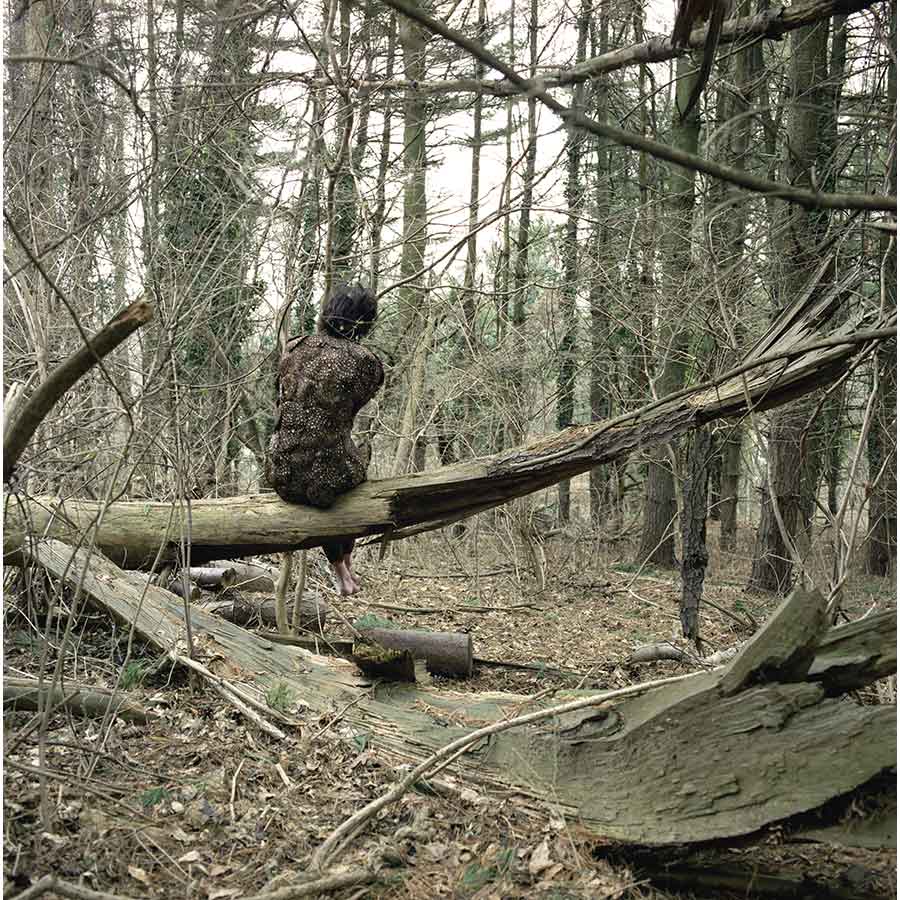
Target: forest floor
193,804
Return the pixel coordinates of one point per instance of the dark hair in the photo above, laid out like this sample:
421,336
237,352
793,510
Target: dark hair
349,312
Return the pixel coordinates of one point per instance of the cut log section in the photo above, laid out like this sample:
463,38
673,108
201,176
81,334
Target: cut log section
249,576
677,763
212,578
176,586
790,360
383,663
79,699
250,612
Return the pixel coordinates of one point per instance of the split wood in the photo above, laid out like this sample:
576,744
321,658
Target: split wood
447,754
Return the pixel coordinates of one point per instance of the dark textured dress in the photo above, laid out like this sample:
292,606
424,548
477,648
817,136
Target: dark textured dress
323,382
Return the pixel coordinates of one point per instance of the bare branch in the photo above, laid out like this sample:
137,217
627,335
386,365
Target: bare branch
574,119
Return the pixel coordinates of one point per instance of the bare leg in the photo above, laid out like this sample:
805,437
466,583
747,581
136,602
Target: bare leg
353,575
345,582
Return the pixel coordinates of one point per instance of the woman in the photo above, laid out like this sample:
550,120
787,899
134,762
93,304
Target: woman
324,380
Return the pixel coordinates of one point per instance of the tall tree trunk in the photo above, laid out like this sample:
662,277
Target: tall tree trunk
520,276
411,298
694,555
344,212
565,400
658,536
881,545
794,454
599,293
384,158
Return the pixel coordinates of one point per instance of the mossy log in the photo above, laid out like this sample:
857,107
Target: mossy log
682,762
444,652
787,362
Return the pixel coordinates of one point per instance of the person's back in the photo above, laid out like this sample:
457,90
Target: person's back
324,380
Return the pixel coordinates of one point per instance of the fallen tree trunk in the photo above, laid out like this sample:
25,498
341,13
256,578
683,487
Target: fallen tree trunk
686,761
783,365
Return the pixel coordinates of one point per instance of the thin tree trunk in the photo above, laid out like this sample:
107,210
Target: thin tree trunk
384,158
694,555
881,545
565,399
794,452
599,288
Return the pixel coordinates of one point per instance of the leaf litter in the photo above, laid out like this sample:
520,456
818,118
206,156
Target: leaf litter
202,805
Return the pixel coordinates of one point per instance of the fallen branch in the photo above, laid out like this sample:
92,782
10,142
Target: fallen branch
30,413
50,883
772,23
79,699
577,120
242,703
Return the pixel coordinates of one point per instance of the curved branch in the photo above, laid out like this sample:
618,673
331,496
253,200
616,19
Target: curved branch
30,414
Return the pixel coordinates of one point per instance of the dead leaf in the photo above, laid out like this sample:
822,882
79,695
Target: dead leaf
138,874
540,858
189,857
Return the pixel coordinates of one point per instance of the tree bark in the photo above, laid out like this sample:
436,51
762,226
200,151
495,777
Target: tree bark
673,765
694,555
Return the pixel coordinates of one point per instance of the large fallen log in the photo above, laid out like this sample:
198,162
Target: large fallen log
682,762
786,363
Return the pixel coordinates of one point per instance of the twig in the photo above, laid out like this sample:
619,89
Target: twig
443,757
227,692
324,885
234,779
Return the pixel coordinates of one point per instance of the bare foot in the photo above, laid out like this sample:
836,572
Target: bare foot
355,578
345,582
